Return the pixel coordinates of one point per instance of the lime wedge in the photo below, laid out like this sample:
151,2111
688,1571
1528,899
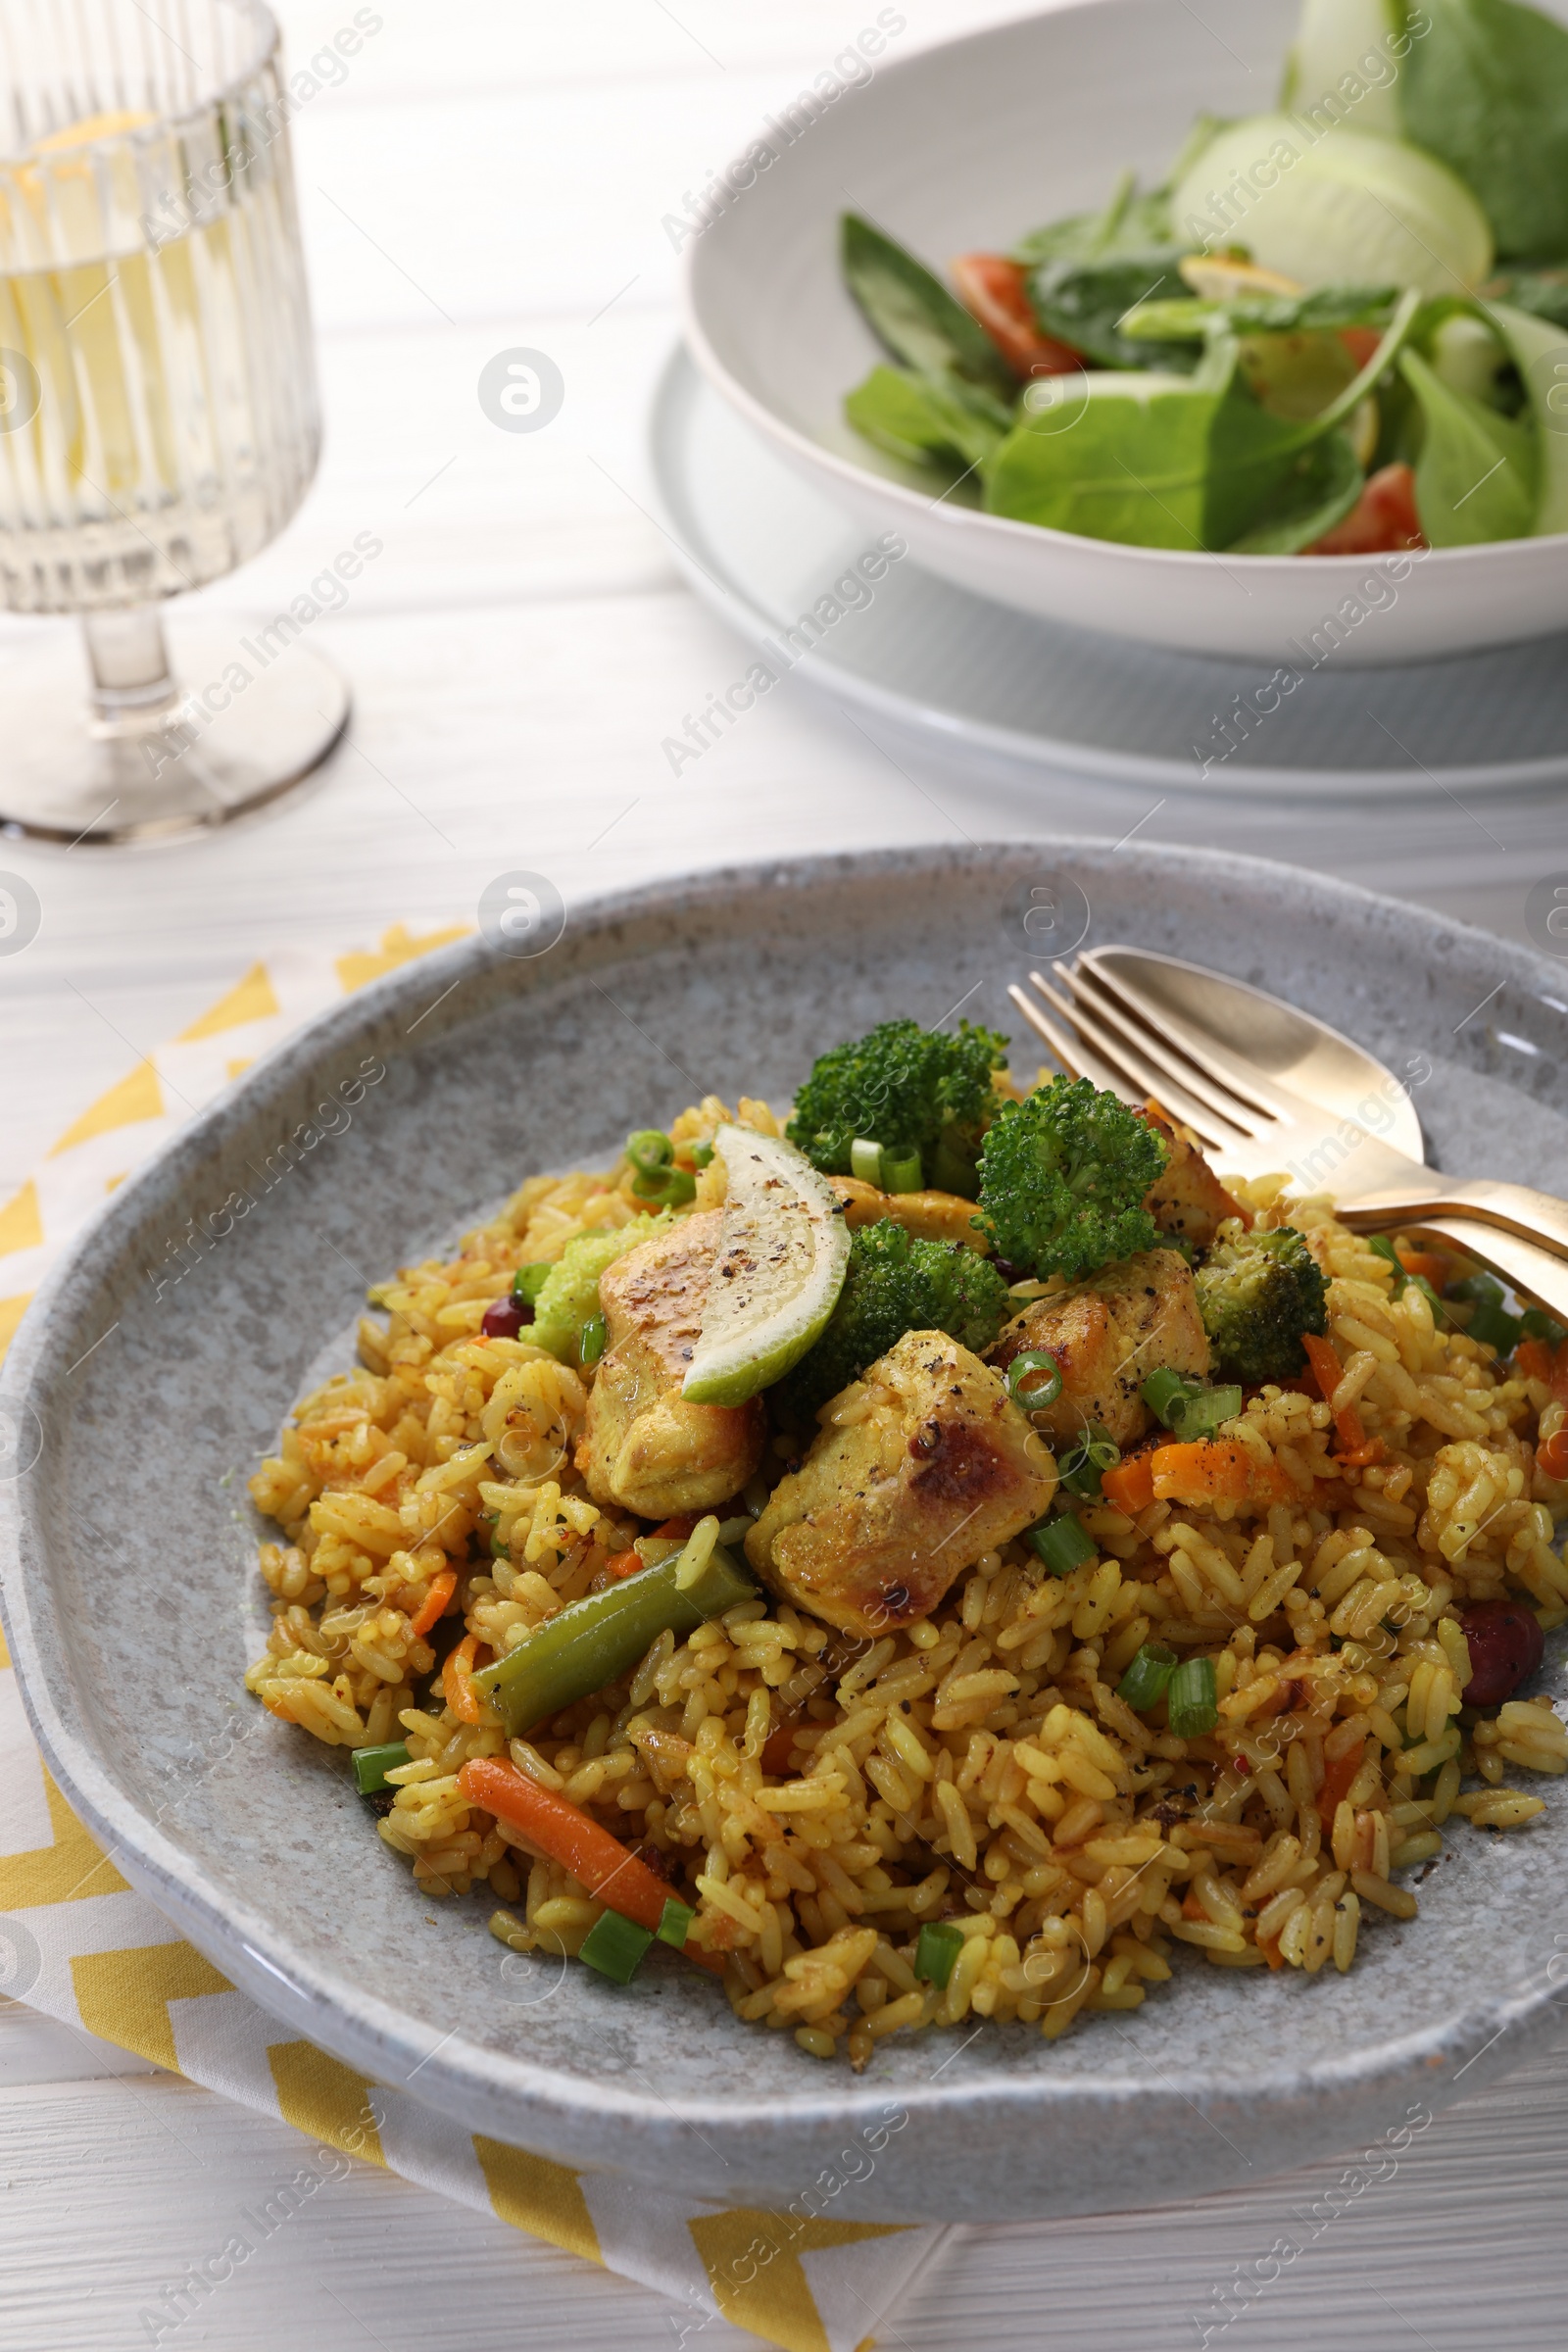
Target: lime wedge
782,1252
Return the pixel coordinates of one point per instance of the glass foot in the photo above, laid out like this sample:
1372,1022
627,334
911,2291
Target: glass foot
94,750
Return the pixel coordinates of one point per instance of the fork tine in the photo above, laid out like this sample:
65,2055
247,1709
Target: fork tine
1078,1061
1144,1080
1203,1053
1162,1052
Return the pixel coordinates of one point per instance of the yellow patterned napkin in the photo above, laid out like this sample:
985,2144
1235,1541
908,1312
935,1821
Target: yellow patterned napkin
79,1945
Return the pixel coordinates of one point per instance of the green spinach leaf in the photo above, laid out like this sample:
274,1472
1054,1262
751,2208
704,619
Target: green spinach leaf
912,313
1544,293
1487,91
1475,478
1132,465
1085,304
1320,491
1127,224
1536,348
927,417
1159,462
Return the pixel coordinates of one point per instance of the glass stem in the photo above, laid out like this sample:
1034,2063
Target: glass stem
131,683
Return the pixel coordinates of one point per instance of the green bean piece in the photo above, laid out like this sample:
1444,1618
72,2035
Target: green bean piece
597,1639
372,1764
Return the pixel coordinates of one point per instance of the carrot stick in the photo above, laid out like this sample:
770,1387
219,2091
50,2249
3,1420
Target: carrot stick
1423,1261
624,1563
677,1530
1217,1470
1559,1373
1552,1458
1338,1774
1533,1359
564,1832
1328,1371
1130,1487
442,1587
457,1680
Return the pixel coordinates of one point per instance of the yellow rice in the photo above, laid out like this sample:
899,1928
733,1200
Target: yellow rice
978,1767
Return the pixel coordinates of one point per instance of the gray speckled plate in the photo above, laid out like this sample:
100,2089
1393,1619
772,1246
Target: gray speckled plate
494,1067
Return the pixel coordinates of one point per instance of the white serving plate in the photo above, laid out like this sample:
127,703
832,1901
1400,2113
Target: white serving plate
966,676
149,1410
964,147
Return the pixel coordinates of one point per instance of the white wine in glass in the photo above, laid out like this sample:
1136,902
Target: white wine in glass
158,421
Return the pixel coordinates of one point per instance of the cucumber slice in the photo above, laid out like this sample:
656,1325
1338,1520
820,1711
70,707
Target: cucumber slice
1334,206
1344,48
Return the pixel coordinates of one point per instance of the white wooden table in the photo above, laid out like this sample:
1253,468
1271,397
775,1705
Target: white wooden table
490,176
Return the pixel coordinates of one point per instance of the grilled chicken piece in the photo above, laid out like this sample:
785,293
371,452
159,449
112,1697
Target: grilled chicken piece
929,1216
1187,1196
881,1516
642,1445
1108,1333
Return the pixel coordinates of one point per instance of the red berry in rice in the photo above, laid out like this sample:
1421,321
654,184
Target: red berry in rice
504,1318
1506,1646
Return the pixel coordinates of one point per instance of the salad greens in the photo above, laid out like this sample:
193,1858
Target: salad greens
1298,342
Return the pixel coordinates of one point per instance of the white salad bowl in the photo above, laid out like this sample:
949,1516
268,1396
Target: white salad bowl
964,147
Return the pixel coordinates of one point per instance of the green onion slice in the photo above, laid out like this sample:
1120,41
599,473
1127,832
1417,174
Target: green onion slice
1146,1677
529,1281
1488,1320
672,1189
1189,1408
1164,1392
675,1920
1062,1542
1536,1324
900,1171
658,1179
1034,1380
650,1151
592,1340
1090,1456
372,1764
938,1948
865,1160
614,1945
1206,1410
699,1154
1192,1699
1494,1327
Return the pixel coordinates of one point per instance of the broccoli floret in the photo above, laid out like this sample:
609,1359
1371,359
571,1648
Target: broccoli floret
1257,1292
894,1284
570,1290
908,1088
1063,1177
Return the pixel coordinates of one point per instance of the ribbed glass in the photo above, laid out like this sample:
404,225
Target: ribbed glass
158,421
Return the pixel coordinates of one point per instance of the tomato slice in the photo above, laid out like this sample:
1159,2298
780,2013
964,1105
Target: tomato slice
1383,521
996,292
